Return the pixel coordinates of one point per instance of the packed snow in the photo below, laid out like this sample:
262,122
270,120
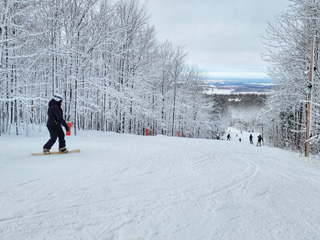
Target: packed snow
126,187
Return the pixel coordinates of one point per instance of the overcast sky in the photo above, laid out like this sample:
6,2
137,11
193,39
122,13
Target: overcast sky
222,37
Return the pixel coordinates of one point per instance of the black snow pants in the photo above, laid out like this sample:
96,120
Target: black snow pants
54,134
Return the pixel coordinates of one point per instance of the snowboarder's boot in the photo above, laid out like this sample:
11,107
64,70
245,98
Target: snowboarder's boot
46,151
63,150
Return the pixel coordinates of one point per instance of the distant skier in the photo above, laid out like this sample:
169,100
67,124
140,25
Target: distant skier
260,139
228,137
239,139
55,120
251,139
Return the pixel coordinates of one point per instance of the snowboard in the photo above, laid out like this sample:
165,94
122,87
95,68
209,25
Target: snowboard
70,151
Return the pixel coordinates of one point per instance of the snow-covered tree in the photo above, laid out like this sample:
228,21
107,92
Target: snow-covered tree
103,56
293,43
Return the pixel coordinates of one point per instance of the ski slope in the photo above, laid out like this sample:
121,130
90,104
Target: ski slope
125,187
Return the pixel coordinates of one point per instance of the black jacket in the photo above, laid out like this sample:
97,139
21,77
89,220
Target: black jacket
55,115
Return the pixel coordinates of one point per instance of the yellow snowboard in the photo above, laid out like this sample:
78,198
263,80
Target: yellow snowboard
70,151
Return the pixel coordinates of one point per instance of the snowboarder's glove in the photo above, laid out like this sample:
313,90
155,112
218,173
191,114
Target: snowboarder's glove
67,128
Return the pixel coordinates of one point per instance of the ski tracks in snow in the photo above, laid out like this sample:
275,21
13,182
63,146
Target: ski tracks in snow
124,187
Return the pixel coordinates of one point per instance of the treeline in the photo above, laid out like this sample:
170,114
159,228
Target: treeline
241,101
244,112
103,56
293,43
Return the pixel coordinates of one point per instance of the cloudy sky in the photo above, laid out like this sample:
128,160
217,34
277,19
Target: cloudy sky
222,37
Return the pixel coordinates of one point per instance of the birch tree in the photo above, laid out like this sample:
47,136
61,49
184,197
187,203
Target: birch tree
103,56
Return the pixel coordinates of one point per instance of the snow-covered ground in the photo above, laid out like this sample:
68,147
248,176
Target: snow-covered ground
126,187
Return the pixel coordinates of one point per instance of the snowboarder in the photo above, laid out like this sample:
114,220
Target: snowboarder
228,137
259,140
55,120
250,138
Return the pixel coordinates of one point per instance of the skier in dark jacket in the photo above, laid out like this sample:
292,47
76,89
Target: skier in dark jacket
228,137
55,120
260,139
250,138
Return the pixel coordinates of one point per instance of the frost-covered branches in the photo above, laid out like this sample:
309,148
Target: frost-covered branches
290,41
103,56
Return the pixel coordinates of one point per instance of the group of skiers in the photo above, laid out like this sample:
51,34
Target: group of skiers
260,139
56,121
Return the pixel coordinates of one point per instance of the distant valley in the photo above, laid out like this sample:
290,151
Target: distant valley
233,86
241,101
